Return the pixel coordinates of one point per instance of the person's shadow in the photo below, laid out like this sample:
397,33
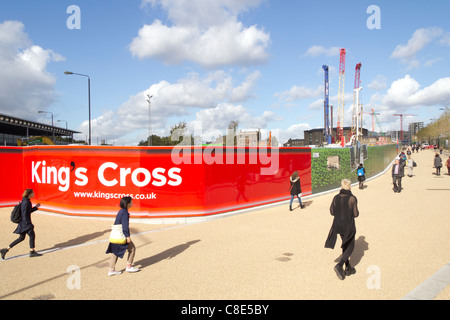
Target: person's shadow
167,254
361,245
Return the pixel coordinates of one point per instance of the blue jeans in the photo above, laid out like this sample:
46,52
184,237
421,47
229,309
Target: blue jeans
299,200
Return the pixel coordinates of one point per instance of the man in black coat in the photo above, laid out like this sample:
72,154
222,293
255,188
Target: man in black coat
344,208
398,173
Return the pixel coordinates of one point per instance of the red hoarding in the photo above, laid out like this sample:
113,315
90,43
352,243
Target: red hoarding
163,181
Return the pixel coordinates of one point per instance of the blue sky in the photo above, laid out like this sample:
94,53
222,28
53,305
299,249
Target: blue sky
210,62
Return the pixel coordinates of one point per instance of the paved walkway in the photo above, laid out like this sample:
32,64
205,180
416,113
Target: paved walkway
402,251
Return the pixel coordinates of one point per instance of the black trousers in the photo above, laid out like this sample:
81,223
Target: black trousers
347,249
397,181
31,235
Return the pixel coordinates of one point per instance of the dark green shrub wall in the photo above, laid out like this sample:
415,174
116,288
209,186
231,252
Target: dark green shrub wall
324,178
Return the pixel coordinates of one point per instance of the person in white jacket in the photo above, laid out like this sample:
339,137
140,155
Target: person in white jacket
410,165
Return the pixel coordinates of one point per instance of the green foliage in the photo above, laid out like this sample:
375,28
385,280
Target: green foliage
324,178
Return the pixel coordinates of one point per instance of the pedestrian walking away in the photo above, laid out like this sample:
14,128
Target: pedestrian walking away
438,163
118,250
410,165
25,226
447,163
361,171
398,172
344,209
295,190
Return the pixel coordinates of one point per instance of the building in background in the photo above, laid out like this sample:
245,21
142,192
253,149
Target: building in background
413,129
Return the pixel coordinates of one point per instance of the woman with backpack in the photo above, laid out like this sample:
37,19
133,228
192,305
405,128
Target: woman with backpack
25,226
361,175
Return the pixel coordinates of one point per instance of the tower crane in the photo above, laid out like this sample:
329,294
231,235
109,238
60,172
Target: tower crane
356,112
341,96
401,121
373,118
326,128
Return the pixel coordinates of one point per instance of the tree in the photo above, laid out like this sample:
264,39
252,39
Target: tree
438,130
179,133
232,130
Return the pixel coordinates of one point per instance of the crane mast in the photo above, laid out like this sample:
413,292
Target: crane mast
341,96
356,114
401,122
373,118
326,127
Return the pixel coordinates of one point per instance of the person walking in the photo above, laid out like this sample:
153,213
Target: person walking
344,209
410,164
118,250
398,172
295,189
25,226
447,163
361,171
438,163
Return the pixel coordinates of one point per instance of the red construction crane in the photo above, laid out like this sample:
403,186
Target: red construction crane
373,120
357,75
341,95
401,122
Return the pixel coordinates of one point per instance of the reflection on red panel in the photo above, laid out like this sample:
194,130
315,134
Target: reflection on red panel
163,181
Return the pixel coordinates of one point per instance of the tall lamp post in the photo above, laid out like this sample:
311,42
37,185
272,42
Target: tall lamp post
89,96
66,127
53,129
149,100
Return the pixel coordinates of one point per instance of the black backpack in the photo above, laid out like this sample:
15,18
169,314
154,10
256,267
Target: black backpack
16,214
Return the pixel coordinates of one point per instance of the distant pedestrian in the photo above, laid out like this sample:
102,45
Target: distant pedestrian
438,163
408,152
295,189
398,172
361,171
118,250
344,209
447,163
25,226
410,165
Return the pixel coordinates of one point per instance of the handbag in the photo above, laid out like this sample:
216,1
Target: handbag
117,236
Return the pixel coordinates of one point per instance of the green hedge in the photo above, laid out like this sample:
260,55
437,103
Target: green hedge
324,178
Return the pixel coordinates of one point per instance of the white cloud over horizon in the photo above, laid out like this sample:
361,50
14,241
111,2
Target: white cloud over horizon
25,84
422,37
204,32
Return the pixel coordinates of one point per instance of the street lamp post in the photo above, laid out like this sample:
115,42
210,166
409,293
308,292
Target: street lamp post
89,96
149,100
66,127
53,129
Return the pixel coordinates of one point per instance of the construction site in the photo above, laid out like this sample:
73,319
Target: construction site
341,136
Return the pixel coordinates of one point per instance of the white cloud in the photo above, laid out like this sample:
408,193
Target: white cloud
445,40
316,51
294,132
419,40
25,84
205,32
214,93
379,83
406,92
300,93
406,95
